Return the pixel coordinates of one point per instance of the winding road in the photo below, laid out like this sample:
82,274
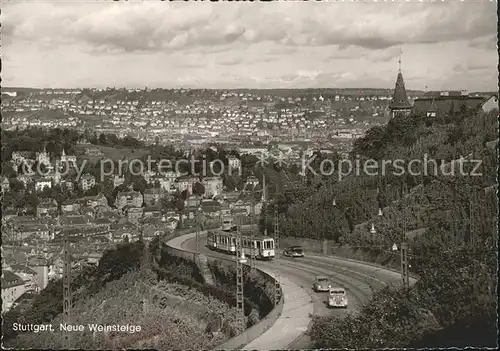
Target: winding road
297,276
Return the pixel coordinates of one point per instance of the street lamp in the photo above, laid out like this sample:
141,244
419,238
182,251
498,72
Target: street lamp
242,259
198,225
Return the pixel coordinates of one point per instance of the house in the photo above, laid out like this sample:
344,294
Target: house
93,151
87,182
193,201
118,180
5,184
124,232
67,184
41,267
94,257
20,157
94,201
152,196
213,186
490,105
128,198
47,207
67,159
12,288
234,164
211,208
134,214
42,183
152,211
70,206
27,275
8,213
43,157
186,183
439,104
25,179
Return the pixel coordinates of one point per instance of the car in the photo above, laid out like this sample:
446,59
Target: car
337,297
321,284
294,251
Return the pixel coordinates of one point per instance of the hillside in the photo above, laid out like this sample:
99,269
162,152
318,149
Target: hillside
165,298
450,221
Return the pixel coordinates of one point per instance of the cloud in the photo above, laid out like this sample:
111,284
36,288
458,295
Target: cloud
281,44
155,26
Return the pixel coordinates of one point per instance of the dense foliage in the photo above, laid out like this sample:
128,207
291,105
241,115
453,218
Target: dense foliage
138,286
450,221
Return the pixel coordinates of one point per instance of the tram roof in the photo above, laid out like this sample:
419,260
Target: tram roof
257,236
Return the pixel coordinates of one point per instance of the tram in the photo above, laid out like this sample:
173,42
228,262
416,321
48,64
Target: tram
261,247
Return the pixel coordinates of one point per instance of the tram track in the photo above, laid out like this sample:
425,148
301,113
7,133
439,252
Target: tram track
360,279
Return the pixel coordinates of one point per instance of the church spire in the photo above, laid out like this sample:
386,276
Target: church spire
400,104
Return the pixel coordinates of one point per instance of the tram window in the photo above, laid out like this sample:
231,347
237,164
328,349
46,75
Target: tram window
258,244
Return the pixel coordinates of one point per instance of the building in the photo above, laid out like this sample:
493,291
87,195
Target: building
400,106
27,275
130,198
43,183
152,211
87,182
490,105
93,151
234,163
118,180
5,184
213,186
12,288
67,159
70,206
41,268
43,157
441,103
152,196
47,207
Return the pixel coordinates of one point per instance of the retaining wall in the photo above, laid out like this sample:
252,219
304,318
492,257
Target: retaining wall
256,330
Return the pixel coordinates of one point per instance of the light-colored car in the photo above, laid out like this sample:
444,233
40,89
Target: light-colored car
337,297
294,251
321,284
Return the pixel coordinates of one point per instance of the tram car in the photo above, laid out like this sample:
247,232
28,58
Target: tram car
261,247
228,224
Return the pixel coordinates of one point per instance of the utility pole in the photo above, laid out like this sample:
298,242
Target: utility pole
252,232
198,225
67,303
240,260
404,266
404,252
277,289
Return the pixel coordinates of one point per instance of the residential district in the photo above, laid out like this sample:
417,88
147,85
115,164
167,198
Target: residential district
296,122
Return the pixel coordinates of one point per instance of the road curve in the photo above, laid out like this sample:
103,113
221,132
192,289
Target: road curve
296,277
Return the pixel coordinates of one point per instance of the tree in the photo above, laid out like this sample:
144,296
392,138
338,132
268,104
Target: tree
198,189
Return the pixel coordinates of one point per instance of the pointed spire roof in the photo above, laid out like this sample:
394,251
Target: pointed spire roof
400,99
433,107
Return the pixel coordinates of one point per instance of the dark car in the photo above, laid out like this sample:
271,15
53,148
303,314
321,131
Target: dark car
294,251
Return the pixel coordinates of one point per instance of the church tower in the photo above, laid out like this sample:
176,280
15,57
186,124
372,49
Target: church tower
400,106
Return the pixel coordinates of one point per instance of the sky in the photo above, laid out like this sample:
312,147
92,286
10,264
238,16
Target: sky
85,44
